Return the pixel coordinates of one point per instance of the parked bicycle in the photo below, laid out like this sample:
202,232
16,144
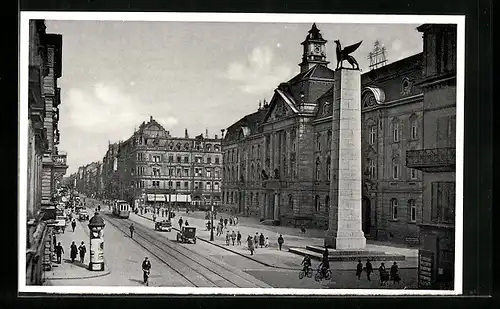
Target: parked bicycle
308,272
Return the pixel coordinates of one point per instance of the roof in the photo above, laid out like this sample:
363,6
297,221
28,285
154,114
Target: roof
317,71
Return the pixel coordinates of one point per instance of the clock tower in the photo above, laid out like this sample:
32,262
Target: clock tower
314,50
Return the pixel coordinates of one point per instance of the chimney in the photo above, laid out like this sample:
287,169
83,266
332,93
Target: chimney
150,118
215,136
206,133
186,135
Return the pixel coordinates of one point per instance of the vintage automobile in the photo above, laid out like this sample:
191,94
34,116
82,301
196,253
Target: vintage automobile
83,215
60,224
164,225
187,234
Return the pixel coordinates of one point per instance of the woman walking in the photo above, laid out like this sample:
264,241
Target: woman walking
250,244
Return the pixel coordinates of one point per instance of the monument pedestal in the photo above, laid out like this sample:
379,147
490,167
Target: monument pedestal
345,222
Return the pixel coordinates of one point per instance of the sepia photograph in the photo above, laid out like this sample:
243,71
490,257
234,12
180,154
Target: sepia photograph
287,154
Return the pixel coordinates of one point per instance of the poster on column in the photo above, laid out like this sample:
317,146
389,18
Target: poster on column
96,250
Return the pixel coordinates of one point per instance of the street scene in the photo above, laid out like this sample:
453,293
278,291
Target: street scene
200,155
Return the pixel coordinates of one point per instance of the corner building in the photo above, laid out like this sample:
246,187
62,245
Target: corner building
277,160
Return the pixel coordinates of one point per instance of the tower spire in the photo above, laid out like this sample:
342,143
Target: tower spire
314,51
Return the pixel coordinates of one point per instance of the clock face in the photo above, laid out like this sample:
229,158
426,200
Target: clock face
316,48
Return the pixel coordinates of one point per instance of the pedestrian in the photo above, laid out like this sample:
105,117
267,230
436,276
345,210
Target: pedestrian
221,221
266,243
59,252
369,269
235,220
225,223
238,239
382,274
54,241
154,218
73,251
180,223
73,225
359,269
395,273
186,223
303,229
230,220
325,253
250,243
233,237
280,241
132,229
82,251
262,240
227,238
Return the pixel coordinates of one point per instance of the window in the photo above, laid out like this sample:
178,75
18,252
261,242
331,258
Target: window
318,177
317,203
170,172
209,147
209,173
371,168
258,151
171,146
170,158
328,169
170,184
216,148
443,202
179,159
178,184
178,146
186,146
216,186
394,209
395,131
140,170
196,187
290,202
140,156
373,134
156,171
156,159
209,160
217,160
141,184
216,173
413,173
318,142
395,168
197,172
329,140
186,159
327,203
186,185
156,183
179,172
198,159
209,186
414,129
412,209
186,172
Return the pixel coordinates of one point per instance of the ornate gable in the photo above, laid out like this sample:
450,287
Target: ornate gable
281,106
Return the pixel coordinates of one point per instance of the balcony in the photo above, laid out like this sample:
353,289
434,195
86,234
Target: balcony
431,160
60,161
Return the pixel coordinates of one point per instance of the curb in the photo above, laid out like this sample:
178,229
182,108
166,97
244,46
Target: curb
257,261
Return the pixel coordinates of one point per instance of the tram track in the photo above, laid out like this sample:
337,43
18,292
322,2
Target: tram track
198,270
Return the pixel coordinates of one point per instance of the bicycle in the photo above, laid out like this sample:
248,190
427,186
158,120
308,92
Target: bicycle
308,273
146,277
320,276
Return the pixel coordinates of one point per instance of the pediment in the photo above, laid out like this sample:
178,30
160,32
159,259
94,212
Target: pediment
281,106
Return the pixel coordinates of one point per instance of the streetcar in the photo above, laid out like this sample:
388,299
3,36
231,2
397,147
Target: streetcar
121,209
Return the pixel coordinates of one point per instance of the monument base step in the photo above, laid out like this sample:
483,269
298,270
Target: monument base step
270,222
347,255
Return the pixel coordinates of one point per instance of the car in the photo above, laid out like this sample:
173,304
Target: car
187,234
60,223
83,215
164,225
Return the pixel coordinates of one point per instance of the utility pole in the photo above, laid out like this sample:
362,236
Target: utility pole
212,211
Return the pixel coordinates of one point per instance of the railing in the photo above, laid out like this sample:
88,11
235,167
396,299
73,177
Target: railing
59,158
428,158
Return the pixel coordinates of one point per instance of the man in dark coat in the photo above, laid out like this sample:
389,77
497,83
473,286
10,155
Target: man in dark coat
59,252
359,269
280,241
369,269
73,225
82,251
180,223
73,251
261,240
395,273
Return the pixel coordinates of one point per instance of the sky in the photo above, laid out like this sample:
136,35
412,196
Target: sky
195,75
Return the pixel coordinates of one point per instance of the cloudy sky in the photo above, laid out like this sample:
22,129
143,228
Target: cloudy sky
190,75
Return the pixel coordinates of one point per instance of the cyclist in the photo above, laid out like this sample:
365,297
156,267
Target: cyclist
324,266
146,268
307,263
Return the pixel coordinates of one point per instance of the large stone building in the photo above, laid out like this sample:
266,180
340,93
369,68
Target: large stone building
45,164
436,157
153,168
277,160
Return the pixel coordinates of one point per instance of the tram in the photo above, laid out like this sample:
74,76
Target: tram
121,209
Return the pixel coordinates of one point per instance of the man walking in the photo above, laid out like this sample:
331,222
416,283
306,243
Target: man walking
280,241
238,239
233,237
369,269
73,252
73,225
256,240
180,223
132,229
227,238
59,252
82,251
359,269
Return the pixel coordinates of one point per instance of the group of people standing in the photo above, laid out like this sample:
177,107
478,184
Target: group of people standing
384,275
73,253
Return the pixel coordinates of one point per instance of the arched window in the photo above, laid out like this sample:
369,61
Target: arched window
318,142
395,168
327,204
412,210
318,163
394,209
290,202
414,127
373,134
395,130
317,203
328,168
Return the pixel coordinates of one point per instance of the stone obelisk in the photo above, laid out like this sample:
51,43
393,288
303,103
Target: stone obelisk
345,225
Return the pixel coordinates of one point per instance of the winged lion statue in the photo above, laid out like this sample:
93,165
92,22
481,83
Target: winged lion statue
343,54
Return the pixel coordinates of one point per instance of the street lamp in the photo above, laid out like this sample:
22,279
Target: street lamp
212,211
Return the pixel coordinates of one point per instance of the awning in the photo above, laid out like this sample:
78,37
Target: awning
180,198
156,197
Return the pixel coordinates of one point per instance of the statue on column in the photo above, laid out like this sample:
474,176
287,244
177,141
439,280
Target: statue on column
343,54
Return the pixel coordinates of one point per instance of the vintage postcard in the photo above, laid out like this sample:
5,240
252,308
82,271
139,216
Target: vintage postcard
287,154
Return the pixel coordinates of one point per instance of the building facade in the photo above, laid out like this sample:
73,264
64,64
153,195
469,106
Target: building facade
153,168
436,158
277,161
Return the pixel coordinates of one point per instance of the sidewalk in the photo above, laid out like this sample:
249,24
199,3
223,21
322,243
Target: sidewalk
75,270
271,256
